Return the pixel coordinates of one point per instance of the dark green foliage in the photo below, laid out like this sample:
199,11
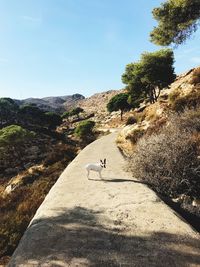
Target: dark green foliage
8,111
31,115
119,102
84,129
168,160
148,76
52,120
177,20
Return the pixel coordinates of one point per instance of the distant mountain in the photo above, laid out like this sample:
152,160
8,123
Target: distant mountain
97,103
53,103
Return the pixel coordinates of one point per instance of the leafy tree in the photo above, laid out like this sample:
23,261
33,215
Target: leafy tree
76,111
8,111
52,120
147,77
177,20
119,102
84,129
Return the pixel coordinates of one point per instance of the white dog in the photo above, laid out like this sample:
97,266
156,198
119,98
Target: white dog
97,167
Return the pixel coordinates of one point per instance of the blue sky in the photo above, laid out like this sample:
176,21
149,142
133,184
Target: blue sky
61,47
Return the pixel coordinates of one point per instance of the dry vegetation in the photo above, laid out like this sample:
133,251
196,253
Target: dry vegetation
168,160
19,207
163,143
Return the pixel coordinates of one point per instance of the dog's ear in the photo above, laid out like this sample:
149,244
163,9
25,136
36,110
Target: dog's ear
104,163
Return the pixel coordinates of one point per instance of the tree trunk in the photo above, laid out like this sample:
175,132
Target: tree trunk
121,115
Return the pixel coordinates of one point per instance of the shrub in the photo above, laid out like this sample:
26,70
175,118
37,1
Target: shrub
168,161
84,129
136,135
131,120
174,95
14,135
156,126
191,100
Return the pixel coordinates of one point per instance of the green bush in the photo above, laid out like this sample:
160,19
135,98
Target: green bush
84,129
168,161
14,135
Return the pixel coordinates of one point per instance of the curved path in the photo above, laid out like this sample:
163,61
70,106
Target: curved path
109,222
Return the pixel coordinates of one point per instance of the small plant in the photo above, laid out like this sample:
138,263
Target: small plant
84,129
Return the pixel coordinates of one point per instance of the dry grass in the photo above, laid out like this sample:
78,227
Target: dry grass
191,100
196,77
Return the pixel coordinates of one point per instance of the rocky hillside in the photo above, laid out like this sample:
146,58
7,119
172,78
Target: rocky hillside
162,142
56,104
97,102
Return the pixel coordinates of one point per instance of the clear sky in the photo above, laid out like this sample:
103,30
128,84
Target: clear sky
62,47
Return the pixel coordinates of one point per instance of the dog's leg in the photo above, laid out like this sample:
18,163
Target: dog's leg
88,173
100,175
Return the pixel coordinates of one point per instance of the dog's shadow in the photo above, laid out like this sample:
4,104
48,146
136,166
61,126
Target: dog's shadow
115,180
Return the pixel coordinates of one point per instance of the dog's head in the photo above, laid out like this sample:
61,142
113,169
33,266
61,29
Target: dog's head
103,163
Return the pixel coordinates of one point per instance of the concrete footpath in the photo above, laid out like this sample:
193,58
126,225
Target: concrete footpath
115,221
